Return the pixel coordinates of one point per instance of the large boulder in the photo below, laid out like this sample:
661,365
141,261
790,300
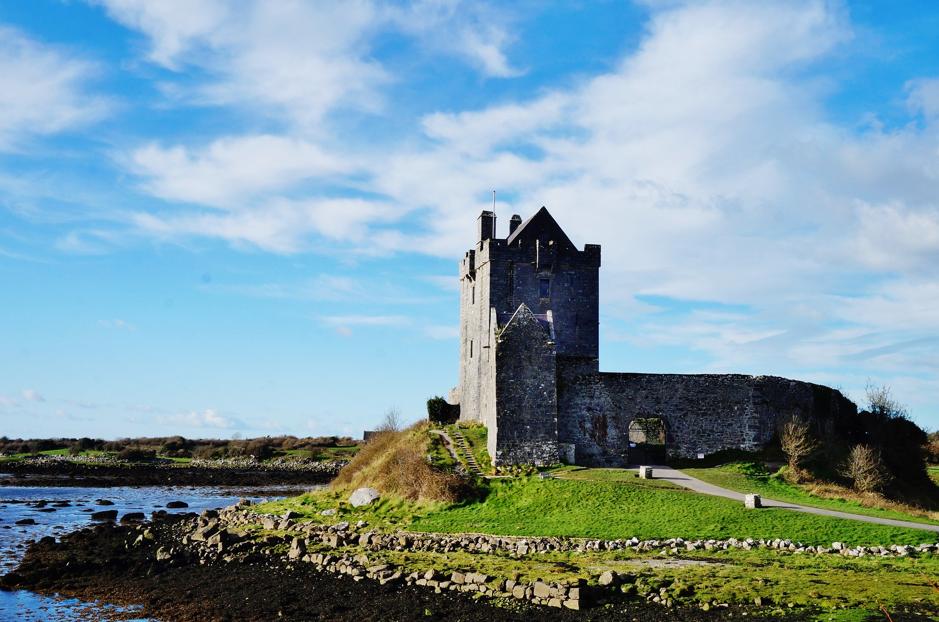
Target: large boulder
363,496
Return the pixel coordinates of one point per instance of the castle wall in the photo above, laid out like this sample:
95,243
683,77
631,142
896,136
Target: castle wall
526,395
703,413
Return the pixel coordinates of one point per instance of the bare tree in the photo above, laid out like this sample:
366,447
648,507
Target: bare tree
391,422
866,469
880,401
797,442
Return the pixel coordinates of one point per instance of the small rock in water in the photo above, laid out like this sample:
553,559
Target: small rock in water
103,502
363,496
104,515
133,517
26,521
173,505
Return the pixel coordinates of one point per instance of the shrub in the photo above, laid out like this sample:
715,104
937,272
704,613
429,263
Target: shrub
880,402
797,443
391,422
136,454
441,412
866,470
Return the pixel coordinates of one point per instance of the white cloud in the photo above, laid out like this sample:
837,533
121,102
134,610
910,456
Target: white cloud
344,324
173,26
208,418
365,320
229,172
296,60
32,395
474,31
280,225
42,90
7,401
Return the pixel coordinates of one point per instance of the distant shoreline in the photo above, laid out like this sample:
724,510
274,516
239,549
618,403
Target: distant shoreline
70,474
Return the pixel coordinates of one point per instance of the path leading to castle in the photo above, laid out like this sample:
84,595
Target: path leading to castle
683,479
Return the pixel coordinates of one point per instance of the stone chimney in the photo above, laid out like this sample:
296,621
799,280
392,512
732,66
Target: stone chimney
487,225
514,222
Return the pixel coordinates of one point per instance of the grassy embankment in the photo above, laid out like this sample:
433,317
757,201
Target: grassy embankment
753,478
614,503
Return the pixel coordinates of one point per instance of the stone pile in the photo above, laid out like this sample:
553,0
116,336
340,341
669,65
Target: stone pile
343,534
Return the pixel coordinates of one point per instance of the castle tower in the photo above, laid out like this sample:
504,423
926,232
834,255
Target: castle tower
528,306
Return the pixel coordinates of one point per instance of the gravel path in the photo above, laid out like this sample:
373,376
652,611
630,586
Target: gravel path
683,479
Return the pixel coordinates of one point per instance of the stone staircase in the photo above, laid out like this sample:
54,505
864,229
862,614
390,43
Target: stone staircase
460,441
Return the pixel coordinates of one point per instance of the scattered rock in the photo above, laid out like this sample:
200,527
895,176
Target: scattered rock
26,521
363,496
133,517
175,505
103,502
329,512
104,515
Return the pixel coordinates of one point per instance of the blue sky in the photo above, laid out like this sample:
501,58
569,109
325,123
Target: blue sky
223,218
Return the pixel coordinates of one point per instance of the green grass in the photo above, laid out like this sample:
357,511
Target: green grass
842,589
343,452
934,473
385,514
609,510
750,478
629,476
612,503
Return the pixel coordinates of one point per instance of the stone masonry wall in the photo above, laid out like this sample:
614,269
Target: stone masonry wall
703,413
526,397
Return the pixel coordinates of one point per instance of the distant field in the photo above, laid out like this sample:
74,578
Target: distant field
320,453
746,479
934,473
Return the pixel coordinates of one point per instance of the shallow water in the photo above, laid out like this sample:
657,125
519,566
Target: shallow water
17,503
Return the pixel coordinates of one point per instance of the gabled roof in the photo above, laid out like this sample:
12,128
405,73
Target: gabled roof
524,315
541,226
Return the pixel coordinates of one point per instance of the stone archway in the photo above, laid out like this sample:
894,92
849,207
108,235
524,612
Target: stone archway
648,439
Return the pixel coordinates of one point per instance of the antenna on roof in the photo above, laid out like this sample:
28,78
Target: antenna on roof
493,200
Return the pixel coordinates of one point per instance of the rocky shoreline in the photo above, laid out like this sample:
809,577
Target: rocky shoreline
60,471
223,560
217,578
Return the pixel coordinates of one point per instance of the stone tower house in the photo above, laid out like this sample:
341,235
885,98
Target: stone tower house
529,367
528,303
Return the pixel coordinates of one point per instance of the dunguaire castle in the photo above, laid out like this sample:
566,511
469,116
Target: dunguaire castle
529,367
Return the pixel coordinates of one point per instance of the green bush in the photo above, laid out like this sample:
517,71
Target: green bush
441,412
